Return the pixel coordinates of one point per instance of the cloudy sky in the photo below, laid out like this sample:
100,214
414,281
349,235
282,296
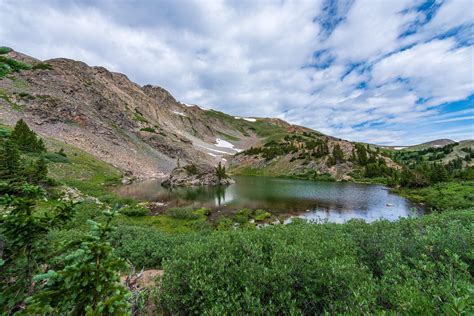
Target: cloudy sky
381,71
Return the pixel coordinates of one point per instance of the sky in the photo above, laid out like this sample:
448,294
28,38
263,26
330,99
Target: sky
390,72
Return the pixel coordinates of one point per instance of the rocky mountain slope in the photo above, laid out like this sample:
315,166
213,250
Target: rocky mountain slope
145,132
141,130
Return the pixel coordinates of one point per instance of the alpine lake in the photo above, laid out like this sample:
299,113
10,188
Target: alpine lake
335,202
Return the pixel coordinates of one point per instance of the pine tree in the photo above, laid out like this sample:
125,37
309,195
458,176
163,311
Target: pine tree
40,171
88,283
10,167
24,231
438,173
220,172
361,154
26,139
338,154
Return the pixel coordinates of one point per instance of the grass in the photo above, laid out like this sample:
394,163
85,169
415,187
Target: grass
261,128
229,137
7,99
443,196
83,171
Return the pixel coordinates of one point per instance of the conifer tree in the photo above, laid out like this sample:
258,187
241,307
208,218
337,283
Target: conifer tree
24,233
40,171
220,172
9,161
26,139
338,154
88,283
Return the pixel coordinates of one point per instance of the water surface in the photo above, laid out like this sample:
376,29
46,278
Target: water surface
332,201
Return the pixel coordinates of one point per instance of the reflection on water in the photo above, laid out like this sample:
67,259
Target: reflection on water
334,201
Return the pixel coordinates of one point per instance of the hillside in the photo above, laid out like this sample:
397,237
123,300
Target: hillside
143,130
434,143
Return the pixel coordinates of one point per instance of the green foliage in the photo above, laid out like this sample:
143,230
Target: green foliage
261,215
10,167
9,65
243,216
134,210
413,266
182,213
26,139
444,195
23,233
86,282
220,172
138,117
148,129
147,246
361,154
224,223
42,66
191,169
337,154
4,50
56,157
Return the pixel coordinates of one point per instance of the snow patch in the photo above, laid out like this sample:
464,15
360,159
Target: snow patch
225,144
249,119
214,150
399,148
179,113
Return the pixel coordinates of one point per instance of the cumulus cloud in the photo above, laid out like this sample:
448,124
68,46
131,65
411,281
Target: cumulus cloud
363,70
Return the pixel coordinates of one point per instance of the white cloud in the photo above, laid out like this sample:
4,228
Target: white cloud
256,58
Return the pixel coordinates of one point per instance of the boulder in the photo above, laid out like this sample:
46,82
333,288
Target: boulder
195,175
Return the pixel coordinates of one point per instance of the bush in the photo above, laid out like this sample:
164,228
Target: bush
133,211
412,266
148,129
147,247
224,223
191,169
203,211
5,50
261,215
243,216
56,157
182,213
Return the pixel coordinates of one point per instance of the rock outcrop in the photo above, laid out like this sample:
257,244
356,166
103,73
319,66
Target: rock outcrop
195,175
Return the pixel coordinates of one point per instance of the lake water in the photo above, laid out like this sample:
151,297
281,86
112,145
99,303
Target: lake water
332,201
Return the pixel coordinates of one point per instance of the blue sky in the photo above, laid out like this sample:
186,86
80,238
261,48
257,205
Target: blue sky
389,72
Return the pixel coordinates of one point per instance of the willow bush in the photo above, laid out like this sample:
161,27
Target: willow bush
423,265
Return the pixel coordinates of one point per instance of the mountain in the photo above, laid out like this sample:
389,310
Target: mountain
145,132
433,143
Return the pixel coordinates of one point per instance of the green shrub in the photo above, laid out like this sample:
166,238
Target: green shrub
203,211
413,266
56,157
42,66
191,169
147,247
148,129
224,223
261,215
182,213
133,211
4,50
243,216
